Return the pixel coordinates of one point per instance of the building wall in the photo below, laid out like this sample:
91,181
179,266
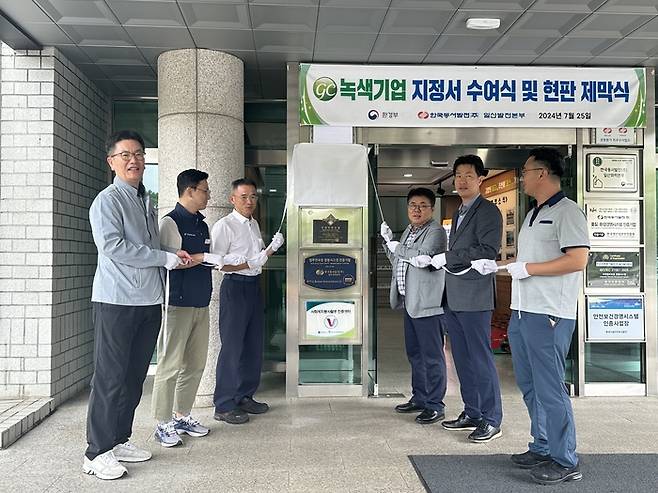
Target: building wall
53,124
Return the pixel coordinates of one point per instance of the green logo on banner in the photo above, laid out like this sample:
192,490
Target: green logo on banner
324,89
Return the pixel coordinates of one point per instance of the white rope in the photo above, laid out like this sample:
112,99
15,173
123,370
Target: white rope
283,217
164,318
374,186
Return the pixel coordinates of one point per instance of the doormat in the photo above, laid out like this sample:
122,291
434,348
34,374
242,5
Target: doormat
602,473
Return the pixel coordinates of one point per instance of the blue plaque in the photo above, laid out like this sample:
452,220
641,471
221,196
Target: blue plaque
330,271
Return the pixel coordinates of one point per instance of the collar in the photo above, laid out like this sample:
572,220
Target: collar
140,191
554,199
240,217
467,205
417,229
187,214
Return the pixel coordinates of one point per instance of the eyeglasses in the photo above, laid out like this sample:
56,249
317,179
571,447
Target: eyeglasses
204,190
127,155
419,207
245,197
524,171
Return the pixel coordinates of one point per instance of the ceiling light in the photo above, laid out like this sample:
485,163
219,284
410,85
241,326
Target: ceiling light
483,23
408,175
272,190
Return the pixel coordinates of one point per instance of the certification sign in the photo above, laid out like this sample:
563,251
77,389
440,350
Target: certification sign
330,320
613,222
613,269
611,173
330,271
615,319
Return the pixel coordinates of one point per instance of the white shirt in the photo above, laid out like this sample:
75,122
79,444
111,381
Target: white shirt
237,235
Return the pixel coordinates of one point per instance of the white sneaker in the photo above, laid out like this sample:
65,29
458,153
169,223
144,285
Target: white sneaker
166,435
104,466
129,452
187,424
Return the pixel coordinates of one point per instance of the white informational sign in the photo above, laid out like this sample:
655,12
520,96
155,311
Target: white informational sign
614,136
615,319
613,222
612,173
331,320
481,96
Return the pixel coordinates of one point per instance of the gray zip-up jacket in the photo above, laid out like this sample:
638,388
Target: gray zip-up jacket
125,230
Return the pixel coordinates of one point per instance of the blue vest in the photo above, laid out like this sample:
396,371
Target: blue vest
191,287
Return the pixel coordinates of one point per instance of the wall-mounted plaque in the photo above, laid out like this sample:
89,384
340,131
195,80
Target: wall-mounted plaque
616,270
615,319
330,271
331,321
612,173
613,222
330,230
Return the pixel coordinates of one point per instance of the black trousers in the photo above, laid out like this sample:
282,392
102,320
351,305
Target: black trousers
241,321
125,340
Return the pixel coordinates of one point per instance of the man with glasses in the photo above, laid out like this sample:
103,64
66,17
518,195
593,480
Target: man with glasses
546,279
127,295
241,317
418,291
183,344
475,233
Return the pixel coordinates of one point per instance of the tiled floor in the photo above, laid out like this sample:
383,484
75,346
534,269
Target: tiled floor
311,445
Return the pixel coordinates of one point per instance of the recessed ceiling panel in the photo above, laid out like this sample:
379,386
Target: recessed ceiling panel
210,15
23,12
86,35
492,59
547,24
404,58
451,59
94,12
632,48
151,13
462,45
223,39
457,24
579,46
74,54
110,55
46,34
170,37
497,4
281,18
567,5
285,2
612,26
647,31
625,6
345,42
404,43
92,70
131,72
410,21
521,45
340,57
426,4
356,3
609,61
352,20
564,61
286,42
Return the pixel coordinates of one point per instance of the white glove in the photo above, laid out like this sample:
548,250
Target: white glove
386,232
517,270
277,241
439,260
213,258
484,266
173,261
392,245
421,261
258,261
233,259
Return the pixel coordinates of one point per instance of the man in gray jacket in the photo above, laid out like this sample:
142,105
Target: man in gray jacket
127,293
419,292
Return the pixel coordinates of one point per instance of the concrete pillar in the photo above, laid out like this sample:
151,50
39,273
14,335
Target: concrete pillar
201,125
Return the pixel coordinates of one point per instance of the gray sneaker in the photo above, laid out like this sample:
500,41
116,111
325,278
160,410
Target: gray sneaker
187,424
165,433
129,452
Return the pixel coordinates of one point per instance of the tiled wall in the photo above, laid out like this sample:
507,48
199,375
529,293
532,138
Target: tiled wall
53,123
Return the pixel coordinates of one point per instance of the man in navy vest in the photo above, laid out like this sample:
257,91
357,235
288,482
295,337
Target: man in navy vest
183,342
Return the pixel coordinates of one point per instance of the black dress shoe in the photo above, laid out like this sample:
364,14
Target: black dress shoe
485,433
529,459
463,422
429,416
554,473
248,405
408,407
235,416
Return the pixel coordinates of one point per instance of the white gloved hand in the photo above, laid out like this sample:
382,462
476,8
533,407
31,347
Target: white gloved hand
213,258
517,270
277,241
172,261
392,245
421,261
386,232
484,266
233,259
258,261
439,260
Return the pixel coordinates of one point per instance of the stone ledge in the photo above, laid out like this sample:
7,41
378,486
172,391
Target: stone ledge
18,416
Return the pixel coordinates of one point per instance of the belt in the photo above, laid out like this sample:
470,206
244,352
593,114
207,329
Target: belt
241,278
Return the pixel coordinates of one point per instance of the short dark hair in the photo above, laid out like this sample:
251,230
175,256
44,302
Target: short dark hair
243,181
422,192
122,135
189,178
472,160
549,157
